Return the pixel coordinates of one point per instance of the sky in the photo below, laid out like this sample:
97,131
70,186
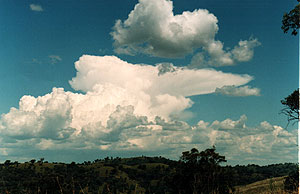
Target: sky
82,80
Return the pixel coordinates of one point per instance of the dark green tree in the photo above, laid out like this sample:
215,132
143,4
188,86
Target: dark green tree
32,161
290,21
291,106
291,103
7,162
200,172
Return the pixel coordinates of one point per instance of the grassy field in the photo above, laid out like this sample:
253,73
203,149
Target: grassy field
267,186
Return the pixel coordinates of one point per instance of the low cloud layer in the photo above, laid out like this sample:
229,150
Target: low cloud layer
130,108
152,28
238,91
126,133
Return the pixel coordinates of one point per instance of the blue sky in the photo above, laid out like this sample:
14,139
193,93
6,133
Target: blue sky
41,41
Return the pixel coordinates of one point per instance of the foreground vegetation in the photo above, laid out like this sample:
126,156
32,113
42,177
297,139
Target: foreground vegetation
195,172
267,186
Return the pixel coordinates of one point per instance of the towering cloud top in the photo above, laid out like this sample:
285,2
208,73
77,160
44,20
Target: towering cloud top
112,86
165,34
152,28
160,79
145,87
132,107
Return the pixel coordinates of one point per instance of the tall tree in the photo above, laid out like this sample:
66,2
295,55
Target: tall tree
290,21
291,103
200,172
291,106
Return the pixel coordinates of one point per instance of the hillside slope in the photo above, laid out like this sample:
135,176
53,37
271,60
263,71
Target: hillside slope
267,186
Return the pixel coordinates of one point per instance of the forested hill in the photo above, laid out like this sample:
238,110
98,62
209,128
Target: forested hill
131,175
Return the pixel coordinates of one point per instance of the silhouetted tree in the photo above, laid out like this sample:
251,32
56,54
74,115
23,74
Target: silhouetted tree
291,20
291,106
200,172
7,162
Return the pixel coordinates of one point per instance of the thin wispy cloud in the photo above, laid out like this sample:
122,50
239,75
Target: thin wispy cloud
36,61
54,59
36,7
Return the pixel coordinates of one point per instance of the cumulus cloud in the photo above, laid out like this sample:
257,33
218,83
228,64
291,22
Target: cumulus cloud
263,142
244,51
46,116
152,28
217,57
238,91
109,83
147,79
126,108
35,7
126,132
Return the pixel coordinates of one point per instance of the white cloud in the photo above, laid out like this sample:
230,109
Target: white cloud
110,83
54,59
126,133
35,7
244,51
93,71
260,144
46,116
152,28
217,57
127,108
238,91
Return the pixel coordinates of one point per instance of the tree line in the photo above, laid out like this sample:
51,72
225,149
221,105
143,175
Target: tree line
194,173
